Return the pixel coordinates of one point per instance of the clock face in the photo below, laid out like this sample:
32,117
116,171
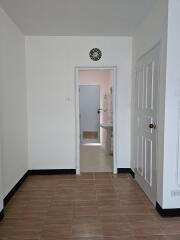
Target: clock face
95,54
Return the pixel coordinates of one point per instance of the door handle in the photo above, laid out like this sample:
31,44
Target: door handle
152,126
99,110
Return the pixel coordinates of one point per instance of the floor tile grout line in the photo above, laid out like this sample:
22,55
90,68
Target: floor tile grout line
94,183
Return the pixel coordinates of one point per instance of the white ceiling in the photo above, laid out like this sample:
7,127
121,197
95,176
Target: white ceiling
78,17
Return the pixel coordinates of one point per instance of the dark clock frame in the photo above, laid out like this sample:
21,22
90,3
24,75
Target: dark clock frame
95,54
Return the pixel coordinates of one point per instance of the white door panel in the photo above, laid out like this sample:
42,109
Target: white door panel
89,100
147,74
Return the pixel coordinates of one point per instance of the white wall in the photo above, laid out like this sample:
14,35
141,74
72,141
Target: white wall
1,179
13,105
152,31
51,101
171,167
1,185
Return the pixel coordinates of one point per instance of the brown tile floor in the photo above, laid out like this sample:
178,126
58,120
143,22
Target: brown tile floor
93,206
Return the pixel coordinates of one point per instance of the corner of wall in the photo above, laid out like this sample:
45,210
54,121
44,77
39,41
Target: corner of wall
13,106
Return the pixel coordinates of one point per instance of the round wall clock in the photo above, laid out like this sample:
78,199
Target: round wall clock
95,54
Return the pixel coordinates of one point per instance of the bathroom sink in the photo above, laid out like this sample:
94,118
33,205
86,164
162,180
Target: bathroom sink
106,125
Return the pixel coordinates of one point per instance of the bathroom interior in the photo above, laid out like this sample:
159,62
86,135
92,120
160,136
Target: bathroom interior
96,120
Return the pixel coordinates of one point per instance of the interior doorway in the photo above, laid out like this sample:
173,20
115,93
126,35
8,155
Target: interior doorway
96,119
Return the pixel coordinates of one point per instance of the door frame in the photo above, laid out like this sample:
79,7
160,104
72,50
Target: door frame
77,113
99,131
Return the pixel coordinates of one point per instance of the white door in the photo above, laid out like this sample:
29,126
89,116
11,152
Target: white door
89,99
147,75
